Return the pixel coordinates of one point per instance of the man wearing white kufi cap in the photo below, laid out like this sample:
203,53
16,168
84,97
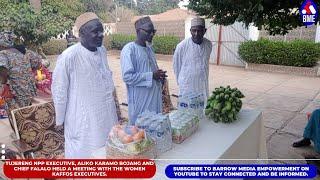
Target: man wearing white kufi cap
82,90
191,61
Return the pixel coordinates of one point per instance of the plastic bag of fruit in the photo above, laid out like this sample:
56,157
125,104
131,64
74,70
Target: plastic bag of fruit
129,142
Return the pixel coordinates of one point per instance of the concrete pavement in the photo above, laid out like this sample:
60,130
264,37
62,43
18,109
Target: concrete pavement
284,100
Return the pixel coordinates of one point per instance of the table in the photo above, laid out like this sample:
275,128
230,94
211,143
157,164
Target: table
215,142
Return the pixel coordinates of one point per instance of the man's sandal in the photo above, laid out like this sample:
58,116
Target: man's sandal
302,143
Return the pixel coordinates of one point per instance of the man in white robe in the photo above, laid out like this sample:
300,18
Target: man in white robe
82,91
191,61
140,72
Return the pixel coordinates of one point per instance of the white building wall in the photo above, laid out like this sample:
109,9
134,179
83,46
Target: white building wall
317,39
232,37
253,33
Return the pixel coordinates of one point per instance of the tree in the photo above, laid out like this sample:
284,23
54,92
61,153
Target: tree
149,7
123,14
276,16
126,3
36,28
101,7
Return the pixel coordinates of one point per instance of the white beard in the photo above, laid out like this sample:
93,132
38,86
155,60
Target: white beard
149,44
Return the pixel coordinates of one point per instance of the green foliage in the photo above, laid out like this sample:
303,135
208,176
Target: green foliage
109,10
57,46
69,9
36,28
148,7
119,40
165,44
107,42
155,6
100,7
54,47
96,5
276,16
161,44
296,53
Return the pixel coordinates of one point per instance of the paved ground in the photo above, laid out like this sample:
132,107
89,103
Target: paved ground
284,100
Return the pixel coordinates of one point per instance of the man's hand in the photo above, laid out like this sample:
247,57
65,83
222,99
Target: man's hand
159,75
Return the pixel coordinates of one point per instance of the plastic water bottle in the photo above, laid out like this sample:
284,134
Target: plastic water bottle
183,103
201,105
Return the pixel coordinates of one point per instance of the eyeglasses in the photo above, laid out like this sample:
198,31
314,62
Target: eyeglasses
149,31
197,30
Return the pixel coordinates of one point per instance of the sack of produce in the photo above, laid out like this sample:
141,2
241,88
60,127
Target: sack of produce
166,100
129,142
224,104
184,124
192,102
158,127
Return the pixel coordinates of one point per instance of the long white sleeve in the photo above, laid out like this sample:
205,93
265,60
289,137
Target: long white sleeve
177,62
130,76
60,88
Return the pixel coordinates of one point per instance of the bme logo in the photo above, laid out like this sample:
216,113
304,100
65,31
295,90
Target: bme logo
309,12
